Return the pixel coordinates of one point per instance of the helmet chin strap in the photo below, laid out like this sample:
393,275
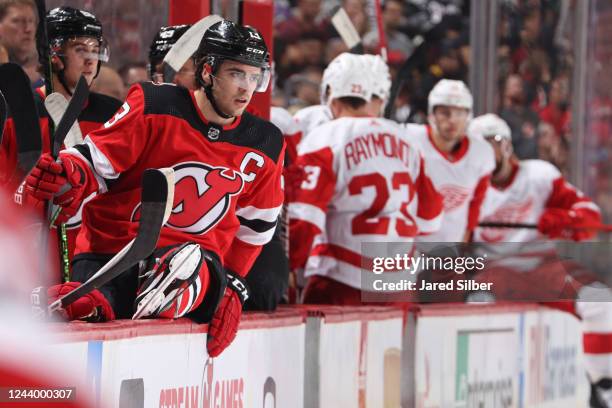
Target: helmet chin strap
209,94
62,80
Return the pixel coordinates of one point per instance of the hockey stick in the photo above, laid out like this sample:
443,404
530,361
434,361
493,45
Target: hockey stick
57,105
15,85
600,227
404,72
382,37
72,112
157,200
2,115
186,46
66,123
42,45
344,26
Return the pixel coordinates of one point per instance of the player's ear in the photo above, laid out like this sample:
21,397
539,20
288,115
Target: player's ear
57,63
206,73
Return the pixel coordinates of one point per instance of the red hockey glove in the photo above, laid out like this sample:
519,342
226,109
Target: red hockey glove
49,178
565,224
224,324
92,307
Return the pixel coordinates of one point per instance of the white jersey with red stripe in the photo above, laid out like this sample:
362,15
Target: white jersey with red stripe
311,117
292,134
534,186
365,183
461,179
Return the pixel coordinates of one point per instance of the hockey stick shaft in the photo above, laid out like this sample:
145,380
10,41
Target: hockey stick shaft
157,200
57,105
600,227
2,115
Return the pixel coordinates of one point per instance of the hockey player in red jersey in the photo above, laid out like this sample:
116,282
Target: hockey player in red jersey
459,166
165,38
228,195
77,47
534,192
365,182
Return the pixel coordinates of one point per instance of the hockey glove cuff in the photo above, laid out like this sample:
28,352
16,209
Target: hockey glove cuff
65,181
92,307
224,325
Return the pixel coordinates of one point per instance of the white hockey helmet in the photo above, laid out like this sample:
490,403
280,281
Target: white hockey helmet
346,76
380,76
450,92
489,125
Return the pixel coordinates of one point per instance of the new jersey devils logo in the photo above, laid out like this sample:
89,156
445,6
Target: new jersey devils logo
454,196
202,196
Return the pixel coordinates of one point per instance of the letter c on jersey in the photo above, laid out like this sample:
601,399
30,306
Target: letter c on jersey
250,156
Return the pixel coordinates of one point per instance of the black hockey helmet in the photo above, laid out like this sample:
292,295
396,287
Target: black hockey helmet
165,38
65,23
227,40
68,22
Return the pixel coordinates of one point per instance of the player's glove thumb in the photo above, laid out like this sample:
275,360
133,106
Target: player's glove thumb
224,325
92,307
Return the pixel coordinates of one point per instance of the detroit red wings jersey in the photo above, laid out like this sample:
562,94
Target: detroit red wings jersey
283,120
227,179
311,117
535,185
461,179
365,183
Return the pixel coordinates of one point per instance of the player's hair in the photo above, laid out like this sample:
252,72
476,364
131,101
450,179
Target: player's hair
353,102
5,4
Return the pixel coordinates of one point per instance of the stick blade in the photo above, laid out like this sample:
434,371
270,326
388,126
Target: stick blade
188,44
157,198
344,26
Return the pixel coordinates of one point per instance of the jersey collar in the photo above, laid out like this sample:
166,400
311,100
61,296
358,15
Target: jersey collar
230,126
457,154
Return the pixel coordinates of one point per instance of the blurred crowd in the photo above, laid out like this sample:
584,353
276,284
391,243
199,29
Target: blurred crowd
534,60
534,65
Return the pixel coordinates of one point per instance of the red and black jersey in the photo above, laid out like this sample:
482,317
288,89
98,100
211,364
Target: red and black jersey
99,109
228,190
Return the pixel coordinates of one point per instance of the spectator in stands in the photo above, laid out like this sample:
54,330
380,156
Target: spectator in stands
108,82
398,43
523,121
446,66
305,17
357,14
133,72
556,112
18,21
